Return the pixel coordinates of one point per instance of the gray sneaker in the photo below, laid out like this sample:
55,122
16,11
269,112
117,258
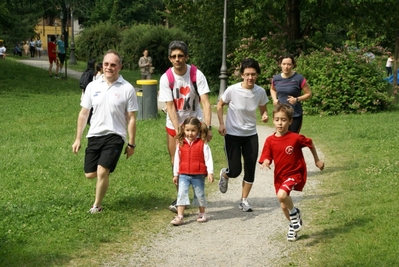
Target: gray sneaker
223,183
244,206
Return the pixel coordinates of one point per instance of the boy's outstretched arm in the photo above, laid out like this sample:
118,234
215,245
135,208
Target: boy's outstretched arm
319,163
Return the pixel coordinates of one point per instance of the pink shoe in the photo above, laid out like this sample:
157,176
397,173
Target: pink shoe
177,221
201,217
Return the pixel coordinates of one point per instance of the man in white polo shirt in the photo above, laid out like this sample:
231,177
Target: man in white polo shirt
114,104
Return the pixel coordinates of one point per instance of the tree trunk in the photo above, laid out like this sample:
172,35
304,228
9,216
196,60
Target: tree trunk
293,19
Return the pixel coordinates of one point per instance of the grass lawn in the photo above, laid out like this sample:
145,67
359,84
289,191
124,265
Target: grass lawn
44,196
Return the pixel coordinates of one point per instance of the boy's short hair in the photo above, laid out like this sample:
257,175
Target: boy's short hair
286,108
178,45
249,63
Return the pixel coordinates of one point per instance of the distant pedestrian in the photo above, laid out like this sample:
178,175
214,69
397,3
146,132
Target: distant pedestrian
26,48
388,66
145,64
32,47
192,163
61,52
285,149
240,135
52,57
2,50
39,47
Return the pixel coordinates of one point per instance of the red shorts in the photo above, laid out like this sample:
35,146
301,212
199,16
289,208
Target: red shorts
53,59
171,132
293,183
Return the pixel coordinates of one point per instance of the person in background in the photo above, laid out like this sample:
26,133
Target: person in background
183,101
32,47
2,50
388,65
39,47
285,148
99,71
26,48
145,64
240,135
193,162
61,52
52,57
114,102
17,50
291,88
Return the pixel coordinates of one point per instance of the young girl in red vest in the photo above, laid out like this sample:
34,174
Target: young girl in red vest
193,162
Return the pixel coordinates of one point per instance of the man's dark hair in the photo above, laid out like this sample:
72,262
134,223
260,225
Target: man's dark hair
178,45
250,63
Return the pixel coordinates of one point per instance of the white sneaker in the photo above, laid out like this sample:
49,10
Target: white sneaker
296,221
95,209
291,235
244,206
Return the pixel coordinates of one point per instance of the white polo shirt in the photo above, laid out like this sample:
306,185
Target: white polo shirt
110,104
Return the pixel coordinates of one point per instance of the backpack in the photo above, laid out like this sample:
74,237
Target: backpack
85,79
193,78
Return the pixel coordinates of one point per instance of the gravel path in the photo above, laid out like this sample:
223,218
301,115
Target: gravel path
230,237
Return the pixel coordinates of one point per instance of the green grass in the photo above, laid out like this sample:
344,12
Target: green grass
350,216
44,196
353,221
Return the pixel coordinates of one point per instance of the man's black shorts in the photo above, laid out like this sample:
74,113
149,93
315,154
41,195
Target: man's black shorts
103,150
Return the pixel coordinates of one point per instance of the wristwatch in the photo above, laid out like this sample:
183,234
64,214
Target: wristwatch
210,128
132,146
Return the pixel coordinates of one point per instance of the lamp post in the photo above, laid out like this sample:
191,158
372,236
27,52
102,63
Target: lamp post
223,70
72,58
55,28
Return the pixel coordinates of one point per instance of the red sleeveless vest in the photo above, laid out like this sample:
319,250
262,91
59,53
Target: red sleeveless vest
192,160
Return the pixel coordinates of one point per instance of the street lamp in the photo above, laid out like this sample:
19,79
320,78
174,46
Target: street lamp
72,58
55,28
223,70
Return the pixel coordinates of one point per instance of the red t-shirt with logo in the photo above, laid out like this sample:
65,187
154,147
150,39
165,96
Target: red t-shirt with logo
286,152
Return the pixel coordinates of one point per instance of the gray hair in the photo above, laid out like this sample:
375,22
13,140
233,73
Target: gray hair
178,45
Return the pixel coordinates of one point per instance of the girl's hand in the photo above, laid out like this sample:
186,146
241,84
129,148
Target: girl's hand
222,130
210,178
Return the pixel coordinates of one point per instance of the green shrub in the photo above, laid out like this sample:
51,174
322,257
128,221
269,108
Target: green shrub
342,82
154,38
94,41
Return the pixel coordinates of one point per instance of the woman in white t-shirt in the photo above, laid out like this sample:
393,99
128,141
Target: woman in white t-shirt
240,135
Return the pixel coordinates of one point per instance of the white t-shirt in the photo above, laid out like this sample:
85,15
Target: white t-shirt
242,106
110,104
389,62
2,50
184,95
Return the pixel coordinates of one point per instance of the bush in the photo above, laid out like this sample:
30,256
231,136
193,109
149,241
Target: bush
154,38
341,81
94,41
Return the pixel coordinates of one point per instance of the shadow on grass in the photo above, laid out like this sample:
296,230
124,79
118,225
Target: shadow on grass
330,233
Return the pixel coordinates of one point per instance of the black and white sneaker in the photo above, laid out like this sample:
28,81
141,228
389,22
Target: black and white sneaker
291,235
173,207
296,221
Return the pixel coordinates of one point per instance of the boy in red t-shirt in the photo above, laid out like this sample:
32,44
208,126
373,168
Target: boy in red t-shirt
285,148
52,57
